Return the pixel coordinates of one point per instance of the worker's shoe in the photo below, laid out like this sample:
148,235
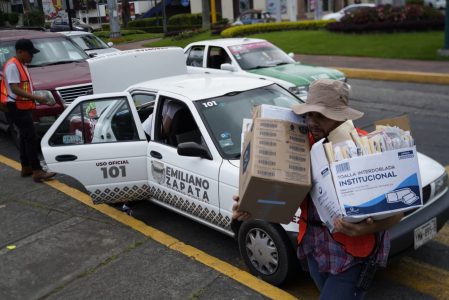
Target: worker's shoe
39,175
26,171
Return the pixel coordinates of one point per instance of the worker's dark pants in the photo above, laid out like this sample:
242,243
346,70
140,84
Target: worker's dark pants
28,140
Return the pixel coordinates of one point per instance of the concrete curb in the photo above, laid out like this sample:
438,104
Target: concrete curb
418,77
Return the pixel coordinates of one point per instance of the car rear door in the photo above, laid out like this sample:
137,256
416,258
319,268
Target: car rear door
99,141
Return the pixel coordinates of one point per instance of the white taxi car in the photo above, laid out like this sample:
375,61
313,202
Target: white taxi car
256,58
192,167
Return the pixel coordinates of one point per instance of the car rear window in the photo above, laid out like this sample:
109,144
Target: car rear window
223,116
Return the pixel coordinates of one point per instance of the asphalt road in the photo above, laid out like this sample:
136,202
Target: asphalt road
421,274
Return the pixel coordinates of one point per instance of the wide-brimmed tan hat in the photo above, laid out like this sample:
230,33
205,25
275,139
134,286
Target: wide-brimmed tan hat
330,98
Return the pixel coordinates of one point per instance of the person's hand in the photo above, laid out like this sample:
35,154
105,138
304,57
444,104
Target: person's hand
238,214
45,100
367,226
40,99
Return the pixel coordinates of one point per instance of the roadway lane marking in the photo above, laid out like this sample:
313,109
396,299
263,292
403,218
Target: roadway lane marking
421,277
220,266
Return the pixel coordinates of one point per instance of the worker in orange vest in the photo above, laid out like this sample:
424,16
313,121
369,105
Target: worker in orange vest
341,263
16,94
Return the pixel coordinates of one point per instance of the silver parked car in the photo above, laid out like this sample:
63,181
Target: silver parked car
90,43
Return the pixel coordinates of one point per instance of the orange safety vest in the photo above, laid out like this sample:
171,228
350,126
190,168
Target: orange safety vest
25,84
360,246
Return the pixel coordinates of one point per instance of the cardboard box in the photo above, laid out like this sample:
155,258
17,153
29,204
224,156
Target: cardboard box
402,122
274,166
377,185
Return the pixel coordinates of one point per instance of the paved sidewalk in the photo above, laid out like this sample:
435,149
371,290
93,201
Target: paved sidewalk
135,45
55,247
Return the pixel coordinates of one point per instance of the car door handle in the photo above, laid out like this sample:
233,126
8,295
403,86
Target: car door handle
156,154
66,157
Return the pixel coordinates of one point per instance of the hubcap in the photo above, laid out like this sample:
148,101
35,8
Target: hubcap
262,251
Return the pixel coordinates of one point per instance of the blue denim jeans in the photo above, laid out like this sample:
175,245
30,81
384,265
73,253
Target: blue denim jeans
336,287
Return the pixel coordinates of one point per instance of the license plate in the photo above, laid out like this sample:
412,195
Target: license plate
425,232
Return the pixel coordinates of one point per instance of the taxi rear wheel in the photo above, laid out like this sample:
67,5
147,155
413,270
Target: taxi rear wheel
266,251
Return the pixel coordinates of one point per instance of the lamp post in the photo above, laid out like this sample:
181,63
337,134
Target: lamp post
445,50
113,19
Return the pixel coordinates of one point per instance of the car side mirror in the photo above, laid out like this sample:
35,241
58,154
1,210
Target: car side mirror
110,44
92,55
227,67
194,150
291,54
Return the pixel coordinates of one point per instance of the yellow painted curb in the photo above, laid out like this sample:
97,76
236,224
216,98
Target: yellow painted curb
229,270
447,169
418,77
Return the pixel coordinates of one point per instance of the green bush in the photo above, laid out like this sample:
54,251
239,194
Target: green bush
35,18
243,30
186,19
388,18
184,34
147,22
417,2
13,18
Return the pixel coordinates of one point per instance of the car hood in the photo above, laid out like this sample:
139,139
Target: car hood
50,77
429,169
298,74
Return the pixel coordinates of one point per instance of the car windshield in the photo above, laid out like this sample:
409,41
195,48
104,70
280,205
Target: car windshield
223,116
53,51
89,42
259,55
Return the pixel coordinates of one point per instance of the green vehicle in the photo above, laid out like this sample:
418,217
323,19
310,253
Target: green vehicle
256,58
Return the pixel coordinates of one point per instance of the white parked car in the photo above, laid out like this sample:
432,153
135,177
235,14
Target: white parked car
90,43
438,4
192,169
255,58
347,10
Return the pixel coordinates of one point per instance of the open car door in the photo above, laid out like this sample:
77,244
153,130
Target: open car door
98,142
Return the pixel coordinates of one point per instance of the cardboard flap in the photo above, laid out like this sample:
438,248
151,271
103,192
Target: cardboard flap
402,122
341,133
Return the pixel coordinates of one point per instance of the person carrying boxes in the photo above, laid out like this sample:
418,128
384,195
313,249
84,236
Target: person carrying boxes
341,263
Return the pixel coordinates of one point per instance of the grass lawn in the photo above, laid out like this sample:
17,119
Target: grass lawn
125,38
184,42
413,45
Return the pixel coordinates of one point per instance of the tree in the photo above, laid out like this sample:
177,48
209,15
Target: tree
125,12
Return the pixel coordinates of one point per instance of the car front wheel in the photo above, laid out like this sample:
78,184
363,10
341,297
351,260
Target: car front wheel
266,251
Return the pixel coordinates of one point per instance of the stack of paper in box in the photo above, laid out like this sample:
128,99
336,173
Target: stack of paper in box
359,176
274,165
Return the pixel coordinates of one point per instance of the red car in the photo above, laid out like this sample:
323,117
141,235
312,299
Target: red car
59,69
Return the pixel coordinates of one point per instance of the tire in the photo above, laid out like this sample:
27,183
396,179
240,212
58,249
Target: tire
267,251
